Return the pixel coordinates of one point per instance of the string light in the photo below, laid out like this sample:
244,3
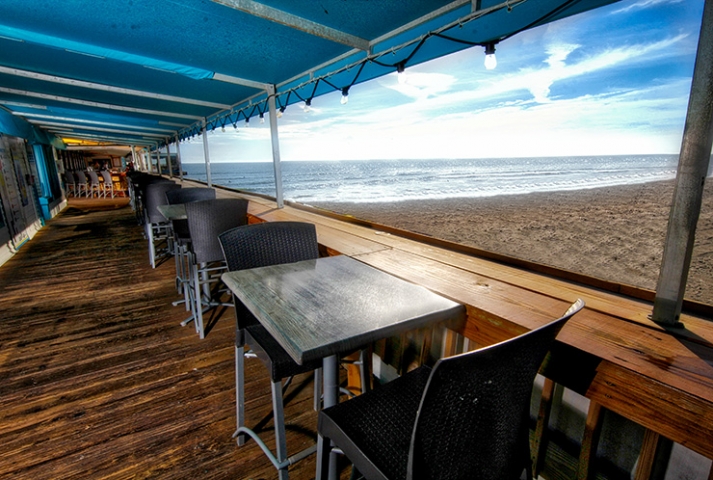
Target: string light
490,61
400,72
345,96
247,122
262,118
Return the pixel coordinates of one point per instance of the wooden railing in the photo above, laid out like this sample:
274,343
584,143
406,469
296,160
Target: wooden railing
610,352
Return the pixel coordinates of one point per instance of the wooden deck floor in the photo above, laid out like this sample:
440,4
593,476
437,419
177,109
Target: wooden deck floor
99,380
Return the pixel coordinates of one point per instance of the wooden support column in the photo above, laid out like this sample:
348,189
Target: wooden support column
590,440
647,455
692,170
539,444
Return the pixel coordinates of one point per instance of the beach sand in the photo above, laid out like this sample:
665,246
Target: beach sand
612,233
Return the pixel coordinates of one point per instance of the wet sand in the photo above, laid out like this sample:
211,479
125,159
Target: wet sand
613,233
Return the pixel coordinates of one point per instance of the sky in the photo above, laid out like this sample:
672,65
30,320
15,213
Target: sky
612,81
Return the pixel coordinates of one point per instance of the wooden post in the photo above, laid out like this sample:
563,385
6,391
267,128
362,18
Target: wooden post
592,429
647,455
539,444
692,170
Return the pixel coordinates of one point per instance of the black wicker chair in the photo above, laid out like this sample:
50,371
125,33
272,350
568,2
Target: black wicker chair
206,220
465,418
262,245
182,236
156,226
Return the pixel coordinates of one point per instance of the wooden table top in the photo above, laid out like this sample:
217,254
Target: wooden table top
317,308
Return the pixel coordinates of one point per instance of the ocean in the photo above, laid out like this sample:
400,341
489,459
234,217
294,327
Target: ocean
398,180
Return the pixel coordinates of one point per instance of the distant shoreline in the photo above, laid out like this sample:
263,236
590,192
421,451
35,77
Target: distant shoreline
403,180
614,233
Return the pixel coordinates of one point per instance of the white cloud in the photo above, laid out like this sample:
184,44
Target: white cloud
643,4
468,112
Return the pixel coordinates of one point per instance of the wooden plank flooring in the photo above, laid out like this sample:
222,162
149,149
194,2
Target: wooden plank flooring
99,380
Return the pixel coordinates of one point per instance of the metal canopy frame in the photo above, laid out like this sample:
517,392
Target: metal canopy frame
152,73
196,63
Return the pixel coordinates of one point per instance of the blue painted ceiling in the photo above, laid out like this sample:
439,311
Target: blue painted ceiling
140,72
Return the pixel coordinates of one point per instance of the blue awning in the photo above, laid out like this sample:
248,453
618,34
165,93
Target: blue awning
132,72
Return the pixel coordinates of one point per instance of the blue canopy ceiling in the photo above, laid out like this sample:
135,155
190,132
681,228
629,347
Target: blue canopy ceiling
141,72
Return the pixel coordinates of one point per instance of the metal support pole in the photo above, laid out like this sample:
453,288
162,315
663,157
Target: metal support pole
137,166
206,155
690,178
275,145
178,158
168,160
158,159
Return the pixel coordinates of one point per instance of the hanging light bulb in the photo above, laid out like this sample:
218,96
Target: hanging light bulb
247,122
345,96
262,118
222,129
400,73
281,111
490,61
308,105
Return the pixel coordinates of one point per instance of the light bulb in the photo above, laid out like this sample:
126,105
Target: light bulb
247,122
401,73
345,96
262,118
222,129
490,61
281,111
308,105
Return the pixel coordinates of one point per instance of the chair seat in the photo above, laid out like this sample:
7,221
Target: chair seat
268,350
380,424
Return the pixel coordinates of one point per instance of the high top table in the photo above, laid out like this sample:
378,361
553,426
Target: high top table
321,308
173,211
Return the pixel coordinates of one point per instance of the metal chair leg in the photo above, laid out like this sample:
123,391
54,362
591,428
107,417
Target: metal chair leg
280,435
240,391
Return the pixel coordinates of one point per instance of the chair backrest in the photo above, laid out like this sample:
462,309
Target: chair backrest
69,178
155,195
93,177
269,243
187,195
107,177
81,177
474,413
262,245
207,219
